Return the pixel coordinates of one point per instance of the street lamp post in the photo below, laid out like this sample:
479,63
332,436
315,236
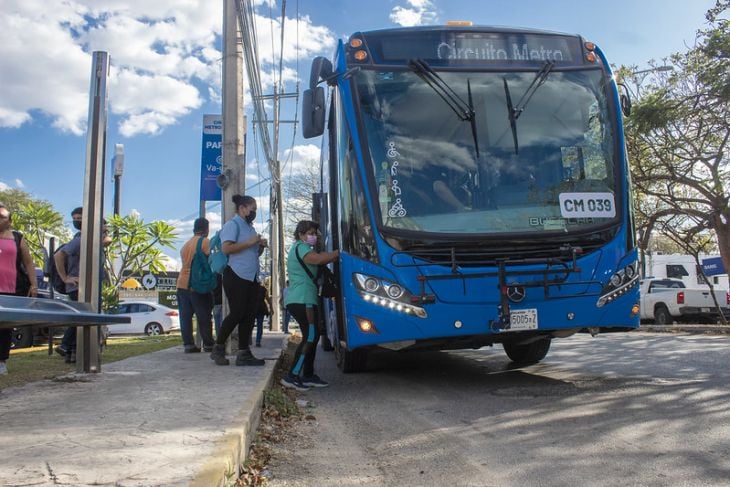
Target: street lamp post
641,74
118,166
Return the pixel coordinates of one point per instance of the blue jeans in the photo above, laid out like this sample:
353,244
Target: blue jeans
217,318
189,302
68,342
285,324
259,328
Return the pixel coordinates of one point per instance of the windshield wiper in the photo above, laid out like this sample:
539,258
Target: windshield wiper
511,115
463,110
514,111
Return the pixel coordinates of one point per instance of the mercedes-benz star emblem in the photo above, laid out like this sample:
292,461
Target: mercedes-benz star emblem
516,293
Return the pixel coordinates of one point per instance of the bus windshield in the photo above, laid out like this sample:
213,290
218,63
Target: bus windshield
481,157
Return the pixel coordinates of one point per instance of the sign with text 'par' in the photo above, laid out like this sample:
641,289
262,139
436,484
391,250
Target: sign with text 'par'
211,157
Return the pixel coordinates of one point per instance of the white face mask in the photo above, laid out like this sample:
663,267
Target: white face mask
311,240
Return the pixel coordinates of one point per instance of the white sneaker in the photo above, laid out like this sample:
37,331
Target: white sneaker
3,369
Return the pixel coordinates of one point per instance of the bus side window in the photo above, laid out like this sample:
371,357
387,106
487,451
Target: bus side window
355,225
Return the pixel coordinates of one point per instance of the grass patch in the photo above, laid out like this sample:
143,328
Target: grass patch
34,363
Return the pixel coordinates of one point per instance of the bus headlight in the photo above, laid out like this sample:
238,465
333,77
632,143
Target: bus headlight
387,294
618,284
371,284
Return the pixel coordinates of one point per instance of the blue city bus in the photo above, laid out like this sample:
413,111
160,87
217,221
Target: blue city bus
477,186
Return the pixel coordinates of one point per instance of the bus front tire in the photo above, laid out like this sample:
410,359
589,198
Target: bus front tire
529,353
350,361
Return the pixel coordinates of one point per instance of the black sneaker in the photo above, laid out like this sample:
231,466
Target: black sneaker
314,381
293,382
192,349
60,350
70,358
208,349
219,355
245,357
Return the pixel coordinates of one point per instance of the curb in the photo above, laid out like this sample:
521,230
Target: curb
692,329
230,452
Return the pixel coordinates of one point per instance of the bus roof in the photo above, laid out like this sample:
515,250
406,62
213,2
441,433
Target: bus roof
497,29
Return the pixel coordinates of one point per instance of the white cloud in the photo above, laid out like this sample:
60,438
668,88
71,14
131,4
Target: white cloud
164,55
298,158
18,185
418,12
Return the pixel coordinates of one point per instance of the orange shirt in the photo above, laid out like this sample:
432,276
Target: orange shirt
187,252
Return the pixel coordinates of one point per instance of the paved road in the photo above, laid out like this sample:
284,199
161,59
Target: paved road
635,409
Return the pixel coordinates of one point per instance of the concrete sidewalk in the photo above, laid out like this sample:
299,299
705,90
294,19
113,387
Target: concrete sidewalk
164,418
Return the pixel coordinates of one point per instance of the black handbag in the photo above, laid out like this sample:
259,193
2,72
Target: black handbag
325,281
22,281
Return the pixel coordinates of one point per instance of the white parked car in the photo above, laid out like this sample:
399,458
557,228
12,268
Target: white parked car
147,317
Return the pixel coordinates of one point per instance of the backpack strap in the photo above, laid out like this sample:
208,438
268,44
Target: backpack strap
304,266
238,229
18,257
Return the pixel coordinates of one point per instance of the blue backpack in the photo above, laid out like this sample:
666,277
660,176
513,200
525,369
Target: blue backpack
217,259
202,279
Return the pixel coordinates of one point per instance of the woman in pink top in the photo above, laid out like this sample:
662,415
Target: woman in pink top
9,275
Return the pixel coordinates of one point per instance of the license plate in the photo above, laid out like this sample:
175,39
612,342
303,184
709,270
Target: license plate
705,310
523,319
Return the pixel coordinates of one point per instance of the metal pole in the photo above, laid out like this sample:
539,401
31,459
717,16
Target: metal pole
118,168
87,356
234,123
117,194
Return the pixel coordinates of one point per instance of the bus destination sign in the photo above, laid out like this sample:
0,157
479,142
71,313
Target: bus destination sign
476,48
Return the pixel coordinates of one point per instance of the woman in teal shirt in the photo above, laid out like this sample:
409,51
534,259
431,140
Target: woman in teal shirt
301,302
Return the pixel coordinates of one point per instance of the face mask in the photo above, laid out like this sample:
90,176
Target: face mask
77,224
251,216
311,240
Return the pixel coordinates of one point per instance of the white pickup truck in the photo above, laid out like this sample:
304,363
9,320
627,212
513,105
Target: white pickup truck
664,301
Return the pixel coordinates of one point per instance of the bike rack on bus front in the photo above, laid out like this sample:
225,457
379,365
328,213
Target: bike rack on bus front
566,266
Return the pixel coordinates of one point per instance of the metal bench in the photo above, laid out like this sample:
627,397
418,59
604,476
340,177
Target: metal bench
16,311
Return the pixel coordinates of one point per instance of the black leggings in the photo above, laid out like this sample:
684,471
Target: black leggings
303,364
241,295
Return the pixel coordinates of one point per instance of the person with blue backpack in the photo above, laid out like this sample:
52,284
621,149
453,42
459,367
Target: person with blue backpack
195,286
242,246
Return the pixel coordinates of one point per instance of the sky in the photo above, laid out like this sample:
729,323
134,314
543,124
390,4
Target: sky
166,73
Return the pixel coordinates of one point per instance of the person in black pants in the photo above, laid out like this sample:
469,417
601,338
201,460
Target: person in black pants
243,246
302,301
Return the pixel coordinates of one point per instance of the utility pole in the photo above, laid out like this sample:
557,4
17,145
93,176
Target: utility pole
277,224
233,171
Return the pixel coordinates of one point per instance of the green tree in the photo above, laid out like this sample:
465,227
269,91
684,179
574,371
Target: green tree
135,248
36,219
678,139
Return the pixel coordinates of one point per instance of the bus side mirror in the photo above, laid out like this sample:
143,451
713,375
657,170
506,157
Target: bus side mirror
321,69
625,100
313,112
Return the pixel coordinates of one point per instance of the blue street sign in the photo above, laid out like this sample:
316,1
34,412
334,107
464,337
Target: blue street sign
713,266
211,158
